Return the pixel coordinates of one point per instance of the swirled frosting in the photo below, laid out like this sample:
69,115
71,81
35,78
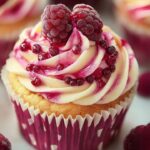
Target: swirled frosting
54,88
15,10
138,10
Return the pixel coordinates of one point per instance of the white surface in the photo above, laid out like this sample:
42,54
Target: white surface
138,114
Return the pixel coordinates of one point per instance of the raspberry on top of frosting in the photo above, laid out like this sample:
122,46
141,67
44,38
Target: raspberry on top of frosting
77,67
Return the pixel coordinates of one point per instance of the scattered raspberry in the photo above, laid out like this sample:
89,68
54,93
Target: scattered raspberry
4,143
57,25
138,138
90,79
80,81
29,67
43,56
25,46
111,50
144,84
106,73
111,60
36,81
98,73
87,21
73,82
36,48
103,44
67,80
53,51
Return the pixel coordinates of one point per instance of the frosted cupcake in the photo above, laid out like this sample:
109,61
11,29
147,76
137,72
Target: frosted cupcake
71,80
15,15
134,16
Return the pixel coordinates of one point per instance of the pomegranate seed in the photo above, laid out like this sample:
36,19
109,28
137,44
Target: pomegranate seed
67,80
80,81
111,50
111,60
73,82
36,68
36,48
53,51
103,44
29,67
43,56
90,79
106,72
36,81
76,50
25,46
60,67
98,74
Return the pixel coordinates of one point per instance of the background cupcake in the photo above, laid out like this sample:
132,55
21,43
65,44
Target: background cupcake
71,80
15,15
134,16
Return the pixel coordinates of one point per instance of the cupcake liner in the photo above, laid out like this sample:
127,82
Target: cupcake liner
51,132
140,44
5,46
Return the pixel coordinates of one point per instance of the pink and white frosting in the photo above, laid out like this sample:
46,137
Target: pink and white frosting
139,10
15,10
54,88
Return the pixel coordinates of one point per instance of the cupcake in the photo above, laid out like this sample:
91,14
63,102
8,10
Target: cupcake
71,80
15,15
134,16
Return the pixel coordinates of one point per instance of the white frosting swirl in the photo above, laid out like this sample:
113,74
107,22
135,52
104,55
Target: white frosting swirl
92,55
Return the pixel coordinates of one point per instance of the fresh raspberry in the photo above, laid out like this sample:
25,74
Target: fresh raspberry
57,25
4,143
87,21
144,84
138,138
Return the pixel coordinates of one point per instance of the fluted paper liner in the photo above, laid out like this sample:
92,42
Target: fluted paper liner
51,132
